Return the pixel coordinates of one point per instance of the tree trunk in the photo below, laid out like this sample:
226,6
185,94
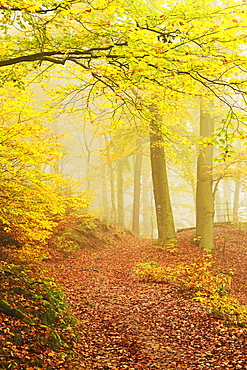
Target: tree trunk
147,196
104,192
137,194
204,191
227,199
236,201
113,212
165,223
113,202
218,206
120,192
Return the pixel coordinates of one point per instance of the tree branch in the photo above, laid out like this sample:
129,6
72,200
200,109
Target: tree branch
53,8
29,58
46,55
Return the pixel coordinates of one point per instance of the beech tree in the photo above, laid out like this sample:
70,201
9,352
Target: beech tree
31,191
232,173
137,190
204,187
164,215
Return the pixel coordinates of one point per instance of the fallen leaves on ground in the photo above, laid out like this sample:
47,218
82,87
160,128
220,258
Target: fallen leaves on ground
127,324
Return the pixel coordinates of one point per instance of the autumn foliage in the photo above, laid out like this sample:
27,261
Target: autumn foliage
33,193
34,316
201,281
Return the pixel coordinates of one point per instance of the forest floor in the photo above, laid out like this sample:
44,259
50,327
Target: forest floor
127,324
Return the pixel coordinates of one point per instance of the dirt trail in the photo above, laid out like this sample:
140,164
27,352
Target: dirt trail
126,324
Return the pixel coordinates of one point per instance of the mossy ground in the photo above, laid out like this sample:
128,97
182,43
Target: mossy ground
36,326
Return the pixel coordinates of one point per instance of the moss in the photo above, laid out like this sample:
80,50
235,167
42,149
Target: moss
54,341
49,316
38,318
38,362
9,310
18,340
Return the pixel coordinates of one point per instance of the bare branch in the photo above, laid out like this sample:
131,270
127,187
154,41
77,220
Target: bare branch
53,8
46,55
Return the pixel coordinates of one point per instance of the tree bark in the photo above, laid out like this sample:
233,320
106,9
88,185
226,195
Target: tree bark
120,192
236,201
218,206
165,222
104,192
147,196
227,199
137,194
204,191
113,202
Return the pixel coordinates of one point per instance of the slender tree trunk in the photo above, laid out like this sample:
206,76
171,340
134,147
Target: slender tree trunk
227,199
113,212
112,186
137,194
219,211
120,192
152,215
165,223
104,192
204,191
146,207
236,201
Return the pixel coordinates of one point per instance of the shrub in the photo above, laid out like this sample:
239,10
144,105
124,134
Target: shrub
202,282
150,271
73,233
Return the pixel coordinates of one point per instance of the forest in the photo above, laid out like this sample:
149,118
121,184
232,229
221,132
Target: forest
123,184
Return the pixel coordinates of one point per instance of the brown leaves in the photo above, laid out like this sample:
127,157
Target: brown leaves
126,324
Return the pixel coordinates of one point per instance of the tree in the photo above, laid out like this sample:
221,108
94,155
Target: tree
32,196
236,201
120,192
204,188
164,215
120,44
137,191
230,169
147,206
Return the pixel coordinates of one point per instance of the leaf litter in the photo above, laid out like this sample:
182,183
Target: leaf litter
127,324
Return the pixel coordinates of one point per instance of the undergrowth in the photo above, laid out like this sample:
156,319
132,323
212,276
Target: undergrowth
83,232
36,328
76,232
201,281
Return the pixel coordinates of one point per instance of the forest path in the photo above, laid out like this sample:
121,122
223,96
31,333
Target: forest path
127,324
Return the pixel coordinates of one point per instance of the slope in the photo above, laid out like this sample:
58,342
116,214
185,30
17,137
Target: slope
128,324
